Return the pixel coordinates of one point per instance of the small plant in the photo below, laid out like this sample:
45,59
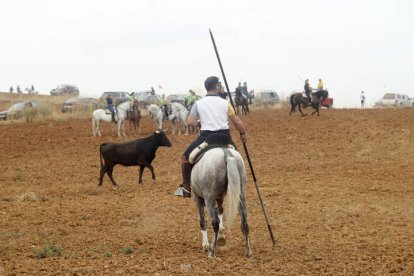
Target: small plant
127,250
107,254
84,217
48,250
44,111
18,176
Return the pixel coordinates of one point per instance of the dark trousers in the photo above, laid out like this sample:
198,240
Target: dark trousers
201,138
308,95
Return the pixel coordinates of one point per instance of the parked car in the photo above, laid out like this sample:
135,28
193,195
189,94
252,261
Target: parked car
148,97
80,104
267,97
395,100
16,111
118,97
65,89
180,98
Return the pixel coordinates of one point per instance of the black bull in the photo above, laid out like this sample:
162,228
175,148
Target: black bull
140,152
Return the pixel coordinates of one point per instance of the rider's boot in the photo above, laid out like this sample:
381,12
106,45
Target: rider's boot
113,118
186,185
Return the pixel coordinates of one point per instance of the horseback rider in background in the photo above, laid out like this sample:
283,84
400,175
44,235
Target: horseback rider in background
110,107
214,114
320,85
190,99
308,90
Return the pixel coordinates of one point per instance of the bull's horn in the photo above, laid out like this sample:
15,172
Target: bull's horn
158,131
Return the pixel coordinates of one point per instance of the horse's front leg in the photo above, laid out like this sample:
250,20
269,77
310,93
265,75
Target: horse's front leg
123,128
119,129
203,224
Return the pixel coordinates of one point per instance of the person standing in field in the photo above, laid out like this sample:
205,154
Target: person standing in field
362,100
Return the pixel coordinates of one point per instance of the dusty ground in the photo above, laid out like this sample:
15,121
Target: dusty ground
339,191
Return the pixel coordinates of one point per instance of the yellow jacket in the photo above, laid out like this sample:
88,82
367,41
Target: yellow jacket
320,85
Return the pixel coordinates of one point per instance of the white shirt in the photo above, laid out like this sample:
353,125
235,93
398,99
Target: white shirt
213,112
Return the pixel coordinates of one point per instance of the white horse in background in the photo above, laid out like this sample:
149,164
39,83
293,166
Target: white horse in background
178,117
120,115
156,114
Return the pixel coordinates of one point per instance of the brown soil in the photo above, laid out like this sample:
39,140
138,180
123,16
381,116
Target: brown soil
339,190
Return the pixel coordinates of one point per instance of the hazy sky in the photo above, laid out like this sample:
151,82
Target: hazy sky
131,45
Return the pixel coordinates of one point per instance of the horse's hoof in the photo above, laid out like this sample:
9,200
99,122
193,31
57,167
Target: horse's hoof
221,241
205,247
249,254
211,255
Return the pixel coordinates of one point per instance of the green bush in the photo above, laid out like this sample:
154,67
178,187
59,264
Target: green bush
127,250
48,250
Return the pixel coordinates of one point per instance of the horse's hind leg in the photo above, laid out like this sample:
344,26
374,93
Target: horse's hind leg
292,109
300,109
98,131
203,224
244,225
215,223
221,240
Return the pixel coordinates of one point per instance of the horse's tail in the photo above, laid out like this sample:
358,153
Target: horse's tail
93,126
233,190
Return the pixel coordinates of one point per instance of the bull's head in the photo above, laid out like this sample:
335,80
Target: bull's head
162,138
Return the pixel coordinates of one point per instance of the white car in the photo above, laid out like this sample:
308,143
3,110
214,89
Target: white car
395,100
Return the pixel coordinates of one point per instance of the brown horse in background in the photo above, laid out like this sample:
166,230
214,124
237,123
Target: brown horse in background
134,117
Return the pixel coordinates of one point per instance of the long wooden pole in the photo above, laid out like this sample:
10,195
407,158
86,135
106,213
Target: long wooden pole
244,145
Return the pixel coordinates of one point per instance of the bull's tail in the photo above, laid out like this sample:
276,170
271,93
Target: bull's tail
233,190
100,155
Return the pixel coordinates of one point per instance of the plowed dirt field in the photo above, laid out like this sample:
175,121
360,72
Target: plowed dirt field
339,190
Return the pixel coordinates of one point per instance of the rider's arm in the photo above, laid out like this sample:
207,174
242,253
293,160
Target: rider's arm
237,123
192,118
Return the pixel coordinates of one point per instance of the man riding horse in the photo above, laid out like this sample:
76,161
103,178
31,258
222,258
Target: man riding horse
242,98
190,99
308,90
110,106
214,114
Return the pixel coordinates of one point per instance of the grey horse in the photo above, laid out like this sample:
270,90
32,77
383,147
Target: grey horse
220,173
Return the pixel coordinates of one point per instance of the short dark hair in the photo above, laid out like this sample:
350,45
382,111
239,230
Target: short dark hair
211,83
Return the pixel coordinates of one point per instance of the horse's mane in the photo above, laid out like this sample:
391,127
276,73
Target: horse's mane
124,105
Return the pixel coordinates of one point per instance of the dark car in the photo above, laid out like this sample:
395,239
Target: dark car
79,104
118,97
65,89
267,97
16,111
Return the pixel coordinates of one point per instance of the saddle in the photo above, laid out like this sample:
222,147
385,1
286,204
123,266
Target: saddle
213,141
108,112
